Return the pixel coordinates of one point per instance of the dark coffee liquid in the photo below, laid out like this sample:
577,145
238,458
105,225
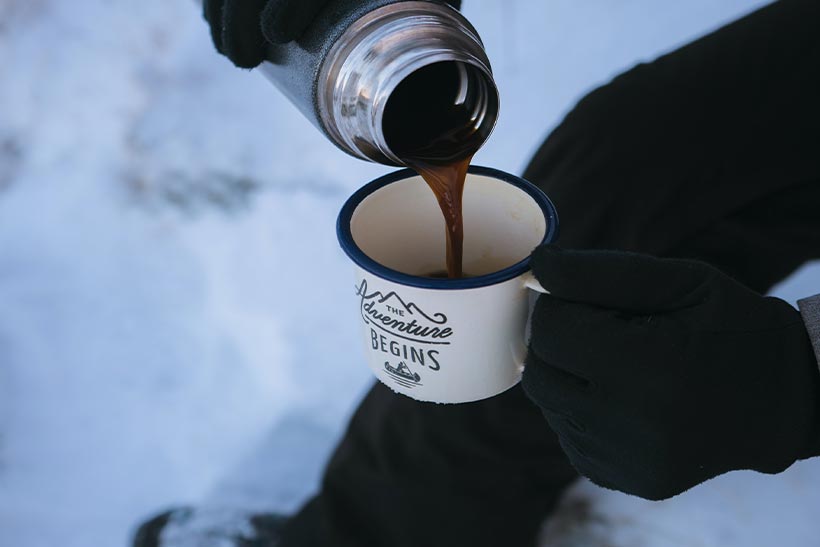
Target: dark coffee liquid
429,124
447,183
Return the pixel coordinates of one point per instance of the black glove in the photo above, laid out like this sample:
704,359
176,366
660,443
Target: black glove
659,374
241,29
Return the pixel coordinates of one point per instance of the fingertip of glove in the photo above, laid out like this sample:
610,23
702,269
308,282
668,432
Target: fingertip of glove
248,63
284,21
272,29
242,55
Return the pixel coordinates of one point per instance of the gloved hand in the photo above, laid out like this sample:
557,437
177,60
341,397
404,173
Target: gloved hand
241,29
659,374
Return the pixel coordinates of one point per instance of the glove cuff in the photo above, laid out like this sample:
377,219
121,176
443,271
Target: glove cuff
810,310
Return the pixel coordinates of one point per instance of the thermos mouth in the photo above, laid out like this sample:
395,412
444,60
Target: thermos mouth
405,76
440,113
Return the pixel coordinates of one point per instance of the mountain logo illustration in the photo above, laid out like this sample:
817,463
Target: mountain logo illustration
402,374
392,314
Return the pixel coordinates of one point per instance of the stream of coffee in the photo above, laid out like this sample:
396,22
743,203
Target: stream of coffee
430,120
447,183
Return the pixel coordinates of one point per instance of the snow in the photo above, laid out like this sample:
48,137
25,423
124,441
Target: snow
175,323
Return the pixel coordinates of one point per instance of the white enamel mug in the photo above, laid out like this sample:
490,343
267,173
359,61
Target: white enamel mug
443,340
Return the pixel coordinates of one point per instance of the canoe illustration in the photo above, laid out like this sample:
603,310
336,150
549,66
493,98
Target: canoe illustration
401,370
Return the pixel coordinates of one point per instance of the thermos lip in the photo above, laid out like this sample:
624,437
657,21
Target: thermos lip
375,54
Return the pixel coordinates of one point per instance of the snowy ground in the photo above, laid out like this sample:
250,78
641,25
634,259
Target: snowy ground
166,231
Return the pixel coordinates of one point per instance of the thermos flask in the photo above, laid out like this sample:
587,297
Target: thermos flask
369,72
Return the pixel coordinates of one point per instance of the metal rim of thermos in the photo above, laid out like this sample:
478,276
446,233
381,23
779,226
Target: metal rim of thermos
376,53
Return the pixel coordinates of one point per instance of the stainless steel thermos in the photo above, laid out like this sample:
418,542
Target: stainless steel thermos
342,73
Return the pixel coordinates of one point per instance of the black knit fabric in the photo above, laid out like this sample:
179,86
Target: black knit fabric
236,29
286,20
658,374
241,29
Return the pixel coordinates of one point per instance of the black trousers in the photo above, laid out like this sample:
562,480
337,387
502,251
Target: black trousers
710,152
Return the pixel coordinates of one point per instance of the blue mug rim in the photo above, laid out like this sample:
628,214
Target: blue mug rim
348,244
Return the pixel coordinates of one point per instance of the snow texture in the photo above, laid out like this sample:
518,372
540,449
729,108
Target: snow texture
175,318
208,528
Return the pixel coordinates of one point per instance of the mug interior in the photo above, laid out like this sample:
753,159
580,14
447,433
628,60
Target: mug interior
401,227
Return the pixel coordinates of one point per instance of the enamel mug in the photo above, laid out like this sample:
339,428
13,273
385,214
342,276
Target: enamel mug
445,340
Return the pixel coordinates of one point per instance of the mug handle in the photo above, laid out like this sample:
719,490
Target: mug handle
530,282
